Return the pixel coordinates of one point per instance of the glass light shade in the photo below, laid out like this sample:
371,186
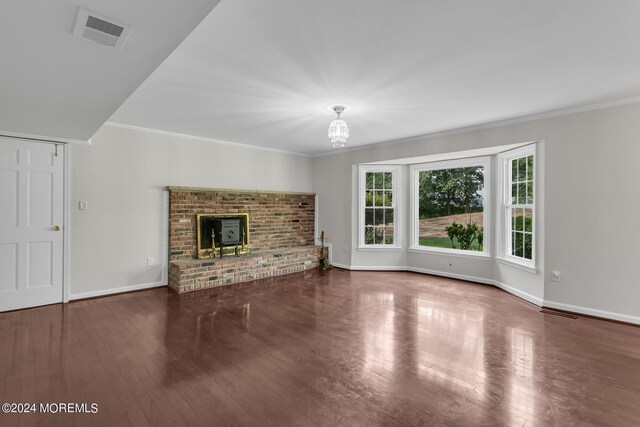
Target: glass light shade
338,133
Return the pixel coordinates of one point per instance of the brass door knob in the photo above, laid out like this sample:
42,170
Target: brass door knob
57,228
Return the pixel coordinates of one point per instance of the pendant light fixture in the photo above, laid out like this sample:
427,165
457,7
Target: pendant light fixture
338,130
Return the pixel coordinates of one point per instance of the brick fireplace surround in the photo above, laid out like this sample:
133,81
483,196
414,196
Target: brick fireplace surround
281,236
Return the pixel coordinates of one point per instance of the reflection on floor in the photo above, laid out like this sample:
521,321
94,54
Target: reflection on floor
320,348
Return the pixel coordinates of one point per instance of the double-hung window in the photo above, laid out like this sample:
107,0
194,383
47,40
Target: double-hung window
378,203
519,206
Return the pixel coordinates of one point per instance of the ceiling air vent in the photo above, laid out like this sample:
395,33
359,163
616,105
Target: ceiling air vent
101,29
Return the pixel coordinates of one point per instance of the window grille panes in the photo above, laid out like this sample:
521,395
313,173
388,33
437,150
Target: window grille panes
379,209
519,208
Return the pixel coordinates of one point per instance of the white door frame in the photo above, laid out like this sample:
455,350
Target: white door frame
66,209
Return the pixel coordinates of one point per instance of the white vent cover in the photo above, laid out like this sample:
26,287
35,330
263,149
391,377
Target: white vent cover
101,29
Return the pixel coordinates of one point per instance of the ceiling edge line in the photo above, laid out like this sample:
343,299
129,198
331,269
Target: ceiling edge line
200,138
577,109
42,138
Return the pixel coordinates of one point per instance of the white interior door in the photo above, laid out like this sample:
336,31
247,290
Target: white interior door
31,220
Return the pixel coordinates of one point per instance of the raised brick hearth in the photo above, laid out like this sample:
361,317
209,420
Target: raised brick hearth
193,274
281,236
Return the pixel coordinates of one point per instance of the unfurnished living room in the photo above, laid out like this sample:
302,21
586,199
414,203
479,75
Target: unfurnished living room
319,213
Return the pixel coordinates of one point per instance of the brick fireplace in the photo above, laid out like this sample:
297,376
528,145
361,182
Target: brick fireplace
281,229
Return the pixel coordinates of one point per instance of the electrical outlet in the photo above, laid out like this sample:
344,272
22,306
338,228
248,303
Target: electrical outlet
555,276
346,249
150,262
82,205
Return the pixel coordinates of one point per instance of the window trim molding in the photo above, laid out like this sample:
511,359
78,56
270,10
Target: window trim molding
414,171
397,203
502,255
515,264
450,252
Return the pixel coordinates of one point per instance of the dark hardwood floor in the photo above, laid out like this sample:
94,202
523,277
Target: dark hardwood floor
334,348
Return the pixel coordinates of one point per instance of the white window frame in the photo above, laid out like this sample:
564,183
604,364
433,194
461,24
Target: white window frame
504,254
414,173
395,188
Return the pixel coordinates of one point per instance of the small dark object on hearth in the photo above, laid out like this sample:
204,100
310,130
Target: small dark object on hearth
324,262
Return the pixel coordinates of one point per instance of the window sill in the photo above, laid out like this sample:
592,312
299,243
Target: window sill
446,252
518,265
379,248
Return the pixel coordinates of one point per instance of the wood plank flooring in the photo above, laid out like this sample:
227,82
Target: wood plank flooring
332,348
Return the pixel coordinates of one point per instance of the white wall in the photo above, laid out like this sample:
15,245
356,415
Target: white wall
590,201
588,228
122,176
592,207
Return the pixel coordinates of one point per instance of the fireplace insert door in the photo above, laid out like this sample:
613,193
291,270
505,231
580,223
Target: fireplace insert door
218,232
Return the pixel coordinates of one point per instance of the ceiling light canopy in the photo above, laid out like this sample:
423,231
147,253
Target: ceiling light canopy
338,130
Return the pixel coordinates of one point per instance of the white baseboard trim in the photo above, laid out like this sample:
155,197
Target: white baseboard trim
105,292
593,312
509,289
376,268
370,267
343,266
452,275
517,292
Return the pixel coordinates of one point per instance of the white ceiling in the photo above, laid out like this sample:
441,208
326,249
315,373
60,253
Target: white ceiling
61,87
264,72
